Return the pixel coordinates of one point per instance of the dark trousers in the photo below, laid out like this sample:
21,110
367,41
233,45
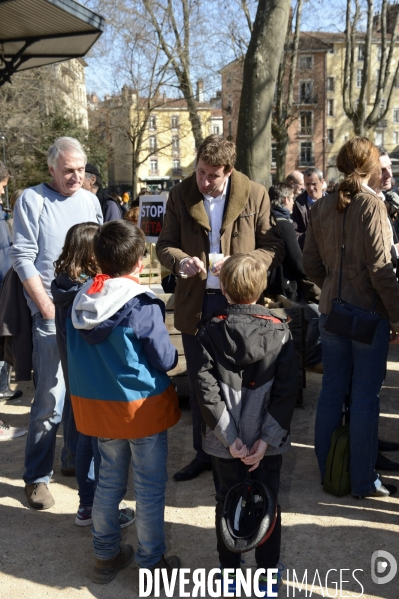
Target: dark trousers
192,353
230,472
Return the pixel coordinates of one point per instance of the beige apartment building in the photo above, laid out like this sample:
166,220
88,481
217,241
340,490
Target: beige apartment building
339,127
70,81
171,144
168,149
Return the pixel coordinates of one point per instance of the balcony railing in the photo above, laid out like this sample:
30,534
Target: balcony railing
306,130
177,171
153,173
382,124
306,160
308,99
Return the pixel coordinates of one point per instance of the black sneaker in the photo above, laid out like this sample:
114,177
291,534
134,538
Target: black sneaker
9,395
105,570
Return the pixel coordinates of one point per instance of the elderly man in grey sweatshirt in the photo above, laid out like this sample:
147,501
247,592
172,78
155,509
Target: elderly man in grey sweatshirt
42,217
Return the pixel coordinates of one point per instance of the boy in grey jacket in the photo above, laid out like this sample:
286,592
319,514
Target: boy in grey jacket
247,389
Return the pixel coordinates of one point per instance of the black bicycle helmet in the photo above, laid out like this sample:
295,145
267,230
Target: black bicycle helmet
249,516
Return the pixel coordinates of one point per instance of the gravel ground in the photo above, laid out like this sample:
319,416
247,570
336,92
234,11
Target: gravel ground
44,555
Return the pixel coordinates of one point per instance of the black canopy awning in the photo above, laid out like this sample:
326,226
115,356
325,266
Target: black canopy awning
34,33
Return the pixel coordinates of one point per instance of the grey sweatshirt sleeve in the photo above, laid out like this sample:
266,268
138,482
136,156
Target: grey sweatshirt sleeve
25,247
97,208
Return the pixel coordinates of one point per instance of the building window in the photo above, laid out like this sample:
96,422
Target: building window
306,123
274,153
330,136
396,137
330,84
153,143
153,123
176,167
229,104
305,157
359,77
228,81
379,52
305,63
175,142
154,166
230,129
175,122
306,95
379,138
330,107
215,129
395,114
360,53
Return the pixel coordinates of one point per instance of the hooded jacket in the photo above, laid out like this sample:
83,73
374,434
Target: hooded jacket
118,354
247,383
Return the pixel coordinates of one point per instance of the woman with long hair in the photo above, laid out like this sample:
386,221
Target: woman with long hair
349,235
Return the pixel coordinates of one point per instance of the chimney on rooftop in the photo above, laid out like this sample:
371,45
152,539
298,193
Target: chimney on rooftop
200,90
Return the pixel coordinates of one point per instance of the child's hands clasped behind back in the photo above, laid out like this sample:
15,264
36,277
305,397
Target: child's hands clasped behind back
250,457
238,449
255,454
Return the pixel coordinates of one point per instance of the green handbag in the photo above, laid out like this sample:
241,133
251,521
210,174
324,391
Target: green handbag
337,477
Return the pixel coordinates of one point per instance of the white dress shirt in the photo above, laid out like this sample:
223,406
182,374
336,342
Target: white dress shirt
214,208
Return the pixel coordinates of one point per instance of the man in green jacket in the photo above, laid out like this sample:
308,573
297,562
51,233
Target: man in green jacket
216,210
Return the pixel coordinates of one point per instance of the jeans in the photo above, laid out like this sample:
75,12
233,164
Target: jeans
4,376
71,434
148,456
313,354
192,354
358,369
87,451
230,472
48,404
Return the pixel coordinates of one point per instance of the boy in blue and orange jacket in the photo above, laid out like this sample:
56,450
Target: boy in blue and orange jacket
118,354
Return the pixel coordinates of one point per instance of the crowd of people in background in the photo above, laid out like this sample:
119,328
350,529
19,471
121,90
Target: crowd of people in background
99,350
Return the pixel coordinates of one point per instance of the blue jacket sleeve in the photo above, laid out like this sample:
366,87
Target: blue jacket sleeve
112,212
150,328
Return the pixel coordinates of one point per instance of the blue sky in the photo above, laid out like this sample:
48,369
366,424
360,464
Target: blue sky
101,77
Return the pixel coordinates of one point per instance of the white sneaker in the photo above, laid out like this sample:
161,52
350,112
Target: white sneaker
10,432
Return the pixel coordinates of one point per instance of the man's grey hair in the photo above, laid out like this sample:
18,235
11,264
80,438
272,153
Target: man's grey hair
97,182
309,171
382,151
65,145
